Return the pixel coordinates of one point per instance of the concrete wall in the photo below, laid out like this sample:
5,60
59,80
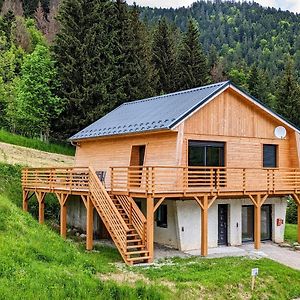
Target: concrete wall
184,219
185,232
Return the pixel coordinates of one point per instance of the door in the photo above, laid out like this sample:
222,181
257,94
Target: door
248,223
136,162
222,224
266,224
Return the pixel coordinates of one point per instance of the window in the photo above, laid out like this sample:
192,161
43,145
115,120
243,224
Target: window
162,216
209,154
269,156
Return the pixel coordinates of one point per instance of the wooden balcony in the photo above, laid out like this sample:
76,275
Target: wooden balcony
185,181
173,181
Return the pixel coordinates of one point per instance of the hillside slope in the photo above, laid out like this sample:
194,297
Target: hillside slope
13,154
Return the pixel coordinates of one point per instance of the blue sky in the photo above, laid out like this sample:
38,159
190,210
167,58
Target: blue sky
292,5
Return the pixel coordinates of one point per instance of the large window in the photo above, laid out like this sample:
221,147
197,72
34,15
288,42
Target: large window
209,154
270,156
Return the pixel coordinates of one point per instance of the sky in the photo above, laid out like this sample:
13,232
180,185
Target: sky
291,5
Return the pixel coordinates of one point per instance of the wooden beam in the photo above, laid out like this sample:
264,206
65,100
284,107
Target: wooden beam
41,199
211,201
257,222
63,220
89,223
199,201
84,199
25,200
150,227
299,223
204,226
160,201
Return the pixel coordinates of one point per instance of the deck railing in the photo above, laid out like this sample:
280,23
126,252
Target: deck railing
164,179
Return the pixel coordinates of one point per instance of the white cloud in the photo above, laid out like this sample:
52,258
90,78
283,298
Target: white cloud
292,5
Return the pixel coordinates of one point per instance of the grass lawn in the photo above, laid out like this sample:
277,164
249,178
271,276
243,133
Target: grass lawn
290,234
35,263
10,138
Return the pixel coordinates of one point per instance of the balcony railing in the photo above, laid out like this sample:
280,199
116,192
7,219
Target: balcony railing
163,179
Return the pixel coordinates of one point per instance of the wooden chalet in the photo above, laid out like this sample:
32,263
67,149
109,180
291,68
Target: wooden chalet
193,169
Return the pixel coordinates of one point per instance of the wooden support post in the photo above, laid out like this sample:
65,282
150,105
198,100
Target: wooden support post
204,226
25,200
150,227
89,223
63,220
258,201
299,223
41,197
257,226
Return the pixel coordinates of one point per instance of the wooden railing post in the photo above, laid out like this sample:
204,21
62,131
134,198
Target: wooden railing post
185,179
244,180
130,213
112,179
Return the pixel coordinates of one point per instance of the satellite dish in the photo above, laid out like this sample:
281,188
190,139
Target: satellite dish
280,132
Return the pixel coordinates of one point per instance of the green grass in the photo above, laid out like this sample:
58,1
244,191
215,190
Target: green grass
290,234
10,138
227,278
35,263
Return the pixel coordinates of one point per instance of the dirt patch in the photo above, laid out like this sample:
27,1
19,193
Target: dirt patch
12,154
132,278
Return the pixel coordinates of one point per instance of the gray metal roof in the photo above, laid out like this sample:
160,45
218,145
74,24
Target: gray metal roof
152,114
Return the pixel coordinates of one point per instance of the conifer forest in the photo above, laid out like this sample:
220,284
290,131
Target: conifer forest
66,63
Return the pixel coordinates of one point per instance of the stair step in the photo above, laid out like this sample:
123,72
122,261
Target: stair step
134,241
138,258
136,246
132,234
137,252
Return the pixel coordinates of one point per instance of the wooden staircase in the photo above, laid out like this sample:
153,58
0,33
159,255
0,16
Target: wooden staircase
123,220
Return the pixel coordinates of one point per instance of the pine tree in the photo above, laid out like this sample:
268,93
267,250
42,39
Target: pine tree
136,69
257,85
83,50
288,95
164,57
193,70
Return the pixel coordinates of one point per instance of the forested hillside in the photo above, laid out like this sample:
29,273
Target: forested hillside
64,64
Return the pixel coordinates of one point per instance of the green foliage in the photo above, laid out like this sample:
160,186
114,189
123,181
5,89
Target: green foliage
291,212
192,65
36,103
10,138
164,57
84,53
288,95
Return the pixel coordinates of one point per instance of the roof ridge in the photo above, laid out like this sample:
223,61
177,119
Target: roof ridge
177,93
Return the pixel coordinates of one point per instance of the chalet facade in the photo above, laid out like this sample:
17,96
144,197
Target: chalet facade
195,169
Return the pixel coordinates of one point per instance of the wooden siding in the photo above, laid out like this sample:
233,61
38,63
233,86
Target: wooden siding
109,152
243,127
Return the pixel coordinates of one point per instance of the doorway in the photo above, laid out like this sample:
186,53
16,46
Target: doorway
137,160
248,223
223,224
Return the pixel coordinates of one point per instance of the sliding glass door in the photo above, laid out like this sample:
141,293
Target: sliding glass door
248,223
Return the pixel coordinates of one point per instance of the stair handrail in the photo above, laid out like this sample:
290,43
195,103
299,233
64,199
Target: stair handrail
133,212
109,211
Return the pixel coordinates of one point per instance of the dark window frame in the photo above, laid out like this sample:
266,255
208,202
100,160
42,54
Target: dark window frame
266,162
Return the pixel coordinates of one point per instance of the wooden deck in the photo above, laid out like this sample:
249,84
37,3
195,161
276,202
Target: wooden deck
131,231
